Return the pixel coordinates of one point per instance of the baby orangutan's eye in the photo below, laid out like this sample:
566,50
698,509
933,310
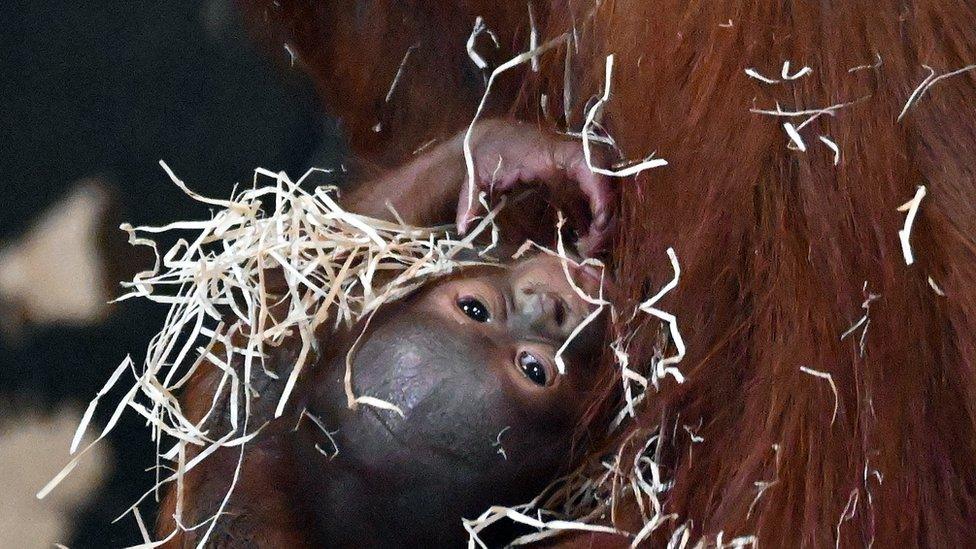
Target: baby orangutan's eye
533,369
475,309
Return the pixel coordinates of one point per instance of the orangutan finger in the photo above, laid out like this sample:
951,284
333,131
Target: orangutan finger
598,191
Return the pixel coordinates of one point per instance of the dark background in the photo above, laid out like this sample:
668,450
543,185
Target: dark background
108,88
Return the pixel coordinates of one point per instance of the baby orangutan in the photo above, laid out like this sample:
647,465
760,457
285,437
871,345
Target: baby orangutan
469,359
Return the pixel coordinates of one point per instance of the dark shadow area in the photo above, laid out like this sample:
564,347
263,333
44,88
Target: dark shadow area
109,88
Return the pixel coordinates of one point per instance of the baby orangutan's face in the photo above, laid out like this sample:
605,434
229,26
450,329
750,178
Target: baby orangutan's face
487,417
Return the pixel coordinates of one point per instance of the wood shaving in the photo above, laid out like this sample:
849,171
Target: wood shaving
876,65
592,116
665,366
847,514
927,83
785,75
479,28
833,147
753,73
865,320
912,208
831,110
833,387
498,442
292,56
794,136
533,37
399,72
577,501
763,485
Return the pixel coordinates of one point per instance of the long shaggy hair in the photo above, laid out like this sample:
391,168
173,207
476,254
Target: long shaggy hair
784,429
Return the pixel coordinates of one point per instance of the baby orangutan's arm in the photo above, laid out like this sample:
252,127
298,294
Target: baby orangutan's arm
434,188
266,507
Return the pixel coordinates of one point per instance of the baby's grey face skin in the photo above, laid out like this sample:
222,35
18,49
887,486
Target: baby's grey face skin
487,418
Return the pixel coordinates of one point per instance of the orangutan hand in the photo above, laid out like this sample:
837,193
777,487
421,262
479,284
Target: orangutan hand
509,155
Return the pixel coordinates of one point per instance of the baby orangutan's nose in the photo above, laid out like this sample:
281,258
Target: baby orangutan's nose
543,310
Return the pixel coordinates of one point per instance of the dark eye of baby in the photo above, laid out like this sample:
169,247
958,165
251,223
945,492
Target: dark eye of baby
533,369
475,309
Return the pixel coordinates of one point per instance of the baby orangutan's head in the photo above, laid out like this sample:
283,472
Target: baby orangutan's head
470,360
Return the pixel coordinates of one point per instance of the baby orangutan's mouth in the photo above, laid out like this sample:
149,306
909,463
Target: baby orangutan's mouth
392,444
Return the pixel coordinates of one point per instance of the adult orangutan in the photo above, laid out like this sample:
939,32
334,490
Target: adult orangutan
781,198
